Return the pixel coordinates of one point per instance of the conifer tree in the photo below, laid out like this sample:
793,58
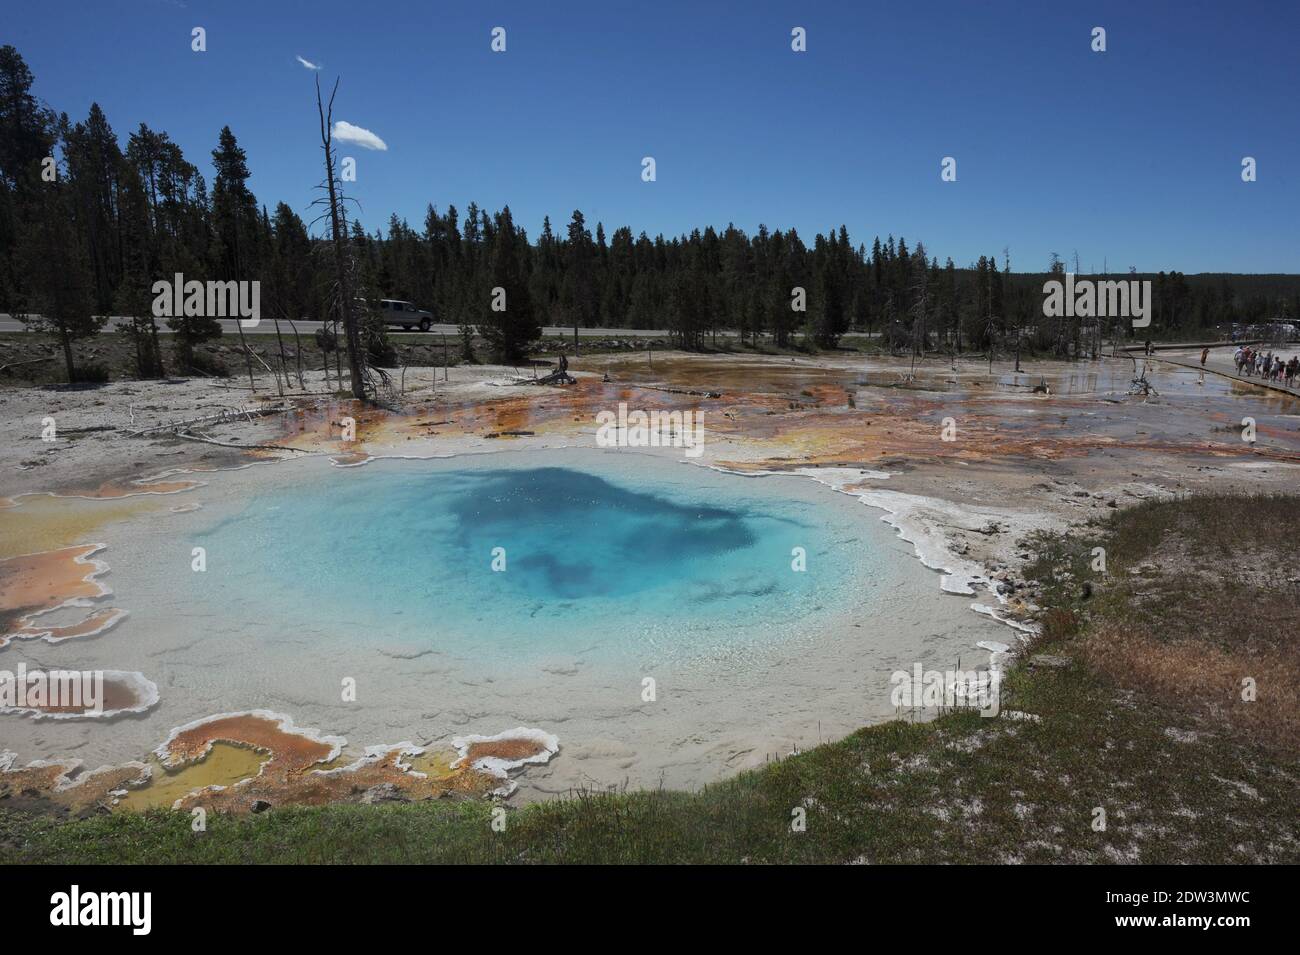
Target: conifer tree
511,330
58,297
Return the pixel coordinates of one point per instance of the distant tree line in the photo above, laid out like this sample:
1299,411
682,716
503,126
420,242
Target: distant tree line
88,223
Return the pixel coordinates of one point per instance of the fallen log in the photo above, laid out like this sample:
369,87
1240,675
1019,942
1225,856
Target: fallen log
683,391
228,415
187,436
554,378
29,361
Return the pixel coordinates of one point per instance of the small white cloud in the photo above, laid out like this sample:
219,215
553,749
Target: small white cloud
364,138
307,63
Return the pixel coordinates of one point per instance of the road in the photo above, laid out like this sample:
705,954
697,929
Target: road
10,324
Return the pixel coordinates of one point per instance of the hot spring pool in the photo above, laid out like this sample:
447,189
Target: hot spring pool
621,570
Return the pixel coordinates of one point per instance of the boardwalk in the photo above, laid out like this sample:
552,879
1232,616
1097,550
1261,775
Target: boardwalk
1220,363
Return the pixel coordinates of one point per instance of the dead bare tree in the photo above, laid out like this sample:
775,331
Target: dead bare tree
890,319
1006,270
248,354
920,312
284,362
345,300
1140,385
297,348
991,326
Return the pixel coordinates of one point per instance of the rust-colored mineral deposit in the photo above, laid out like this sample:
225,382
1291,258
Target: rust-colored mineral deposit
35,584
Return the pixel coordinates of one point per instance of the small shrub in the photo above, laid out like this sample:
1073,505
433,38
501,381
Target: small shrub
209,365
91,373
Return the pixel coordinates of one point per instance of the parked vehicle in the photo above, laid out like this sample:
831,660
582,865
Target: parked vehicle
1276,332
395,312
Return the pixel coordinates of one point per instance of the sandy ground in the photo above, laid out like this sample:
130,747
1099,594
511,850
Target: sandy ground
963,462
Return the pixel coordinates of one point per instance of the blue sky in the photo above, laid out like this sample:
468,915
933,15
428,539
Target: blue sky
1132,156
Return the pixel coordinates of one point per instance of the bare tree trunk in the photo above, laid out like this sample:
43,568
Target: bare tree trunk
346,304
338,366
139,353
248,354
157,349
66,341
297,347
239,322
284,365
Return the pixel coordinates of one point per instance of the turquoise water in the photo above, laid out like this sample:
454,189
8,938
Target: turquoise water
621,554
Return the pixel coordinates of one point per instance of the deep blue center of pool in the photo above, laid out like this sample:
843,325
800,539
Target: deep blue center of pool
568,534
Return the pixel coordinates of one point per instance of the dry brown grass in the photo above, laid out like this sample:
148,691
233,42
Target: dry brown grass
1197,676
1215,601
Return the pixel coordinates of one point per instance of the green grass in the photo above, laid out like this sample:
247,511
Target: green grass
1176,786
